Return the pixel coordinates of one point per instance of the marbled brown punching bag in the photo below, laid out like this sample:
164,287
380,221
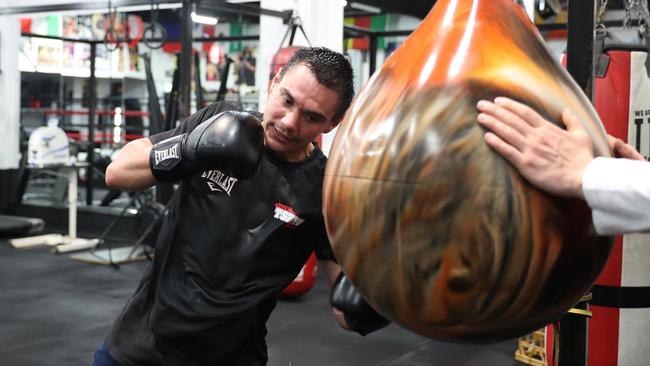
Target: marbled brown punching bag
437,231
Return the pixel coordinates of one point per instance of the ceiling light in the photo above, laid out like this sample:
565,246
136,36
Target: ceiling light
364,7
203,19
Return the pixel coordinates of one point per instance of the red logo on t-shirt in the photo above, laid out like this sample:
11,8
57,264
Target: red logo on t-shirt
287,214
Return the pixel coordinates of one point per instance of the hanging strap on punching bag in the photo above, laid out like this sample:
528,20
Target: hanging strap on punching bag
284,53
295,23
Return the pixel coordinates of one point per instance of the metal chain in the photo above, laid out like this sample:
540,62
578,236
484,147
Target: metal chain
644,17
111,36
627,21
600,19
601,12
642,13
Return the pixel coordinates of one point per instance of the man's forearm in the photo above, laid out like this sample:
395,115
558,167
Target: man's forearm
130,171
618,194
331,270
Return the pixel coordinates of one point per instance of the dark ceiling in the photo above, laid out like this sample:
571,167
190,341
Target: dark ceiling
246,9
415,8
250,10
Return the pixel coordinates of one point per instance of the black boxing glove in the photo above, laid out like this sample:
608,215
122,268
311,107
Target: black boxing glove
231,141
359,315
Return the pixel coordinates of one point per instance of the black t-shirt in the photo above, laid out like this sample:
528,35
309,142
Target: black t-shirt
226,249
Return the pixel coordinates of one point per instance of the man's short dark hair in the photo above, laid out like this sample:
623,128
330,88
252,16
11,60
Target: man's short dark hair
331,69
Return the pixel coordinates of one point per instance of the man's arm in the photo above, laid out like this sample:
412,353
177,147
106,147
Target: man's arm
561,162
332,270
623,150
130,170
546,155
230,140
351,311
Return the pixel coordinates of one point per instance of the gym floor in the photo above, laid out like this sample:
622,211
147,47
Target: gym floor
55,310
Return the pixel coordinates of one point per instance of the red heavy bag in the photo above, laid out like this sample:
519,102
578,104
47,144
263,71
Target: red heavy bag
280,59
621,303
621,294
284,53
304,281
307,276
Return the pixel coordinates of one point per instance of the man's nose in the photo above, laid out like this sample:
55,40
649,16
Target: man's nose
290,121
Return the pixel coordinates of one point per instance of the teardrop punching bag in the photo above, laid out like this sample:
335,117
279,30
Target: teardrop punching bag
437,231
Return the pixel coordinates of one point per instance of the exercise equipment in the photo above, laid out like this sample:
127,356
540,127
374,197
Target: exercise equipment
150,216
304,281
49,148
621,296
437,231
19,225
620,304
61,243
198,88
154,34
223,79
284,53
122,28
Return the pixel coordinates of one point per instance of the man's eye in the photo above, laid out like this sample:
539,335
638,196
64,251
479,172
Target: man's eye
286,100
315,118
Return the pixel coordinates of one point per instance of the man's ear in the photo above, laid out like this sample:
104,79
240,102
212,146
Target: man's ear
275,81
332,124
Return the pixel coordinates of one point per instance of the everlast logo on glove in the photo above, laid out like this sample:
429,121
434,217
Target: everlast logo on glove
231,141
166,153
170,153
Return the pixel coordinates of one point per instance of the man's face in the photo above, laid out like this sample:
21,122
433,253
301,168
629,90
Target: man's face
298,110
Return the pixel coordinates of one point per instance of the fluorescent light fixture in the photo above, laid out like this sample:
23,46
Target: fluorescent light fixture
120,9
203,19
364,7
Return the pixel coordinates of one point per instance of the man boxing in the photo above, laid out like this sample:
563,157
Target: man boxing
244,219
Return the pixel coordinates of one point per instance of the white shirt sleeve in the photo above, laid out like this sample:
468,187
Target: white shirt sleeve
618,192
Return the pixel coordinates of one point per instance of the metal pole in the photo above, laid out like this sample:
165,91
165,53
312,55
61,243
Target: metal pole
372,50
198,89
580,43
580,64
573,335
92,106
185,67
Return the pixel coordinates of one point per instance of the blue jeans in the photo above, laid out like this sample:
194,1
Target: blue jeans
103,358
